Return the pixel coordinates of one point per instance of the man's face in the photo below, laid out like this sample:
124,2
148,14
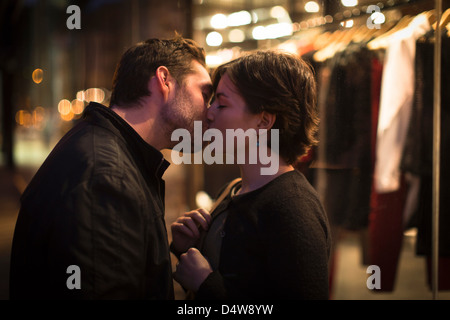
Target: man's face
190,100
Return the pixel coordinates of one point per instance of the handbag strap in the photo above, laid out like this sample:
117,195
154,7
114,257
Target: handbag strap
224,193
221,197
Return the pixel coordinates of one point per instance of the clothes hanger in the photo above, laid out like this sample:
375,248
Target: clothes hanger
361,34
381,41
349,35
443,23
431,16
369,34
328,51
355,34
344,41
445,19
386,27
335,36
322,40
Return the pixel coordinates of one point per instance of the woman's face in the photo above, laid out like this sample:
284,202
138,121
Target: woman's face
229,111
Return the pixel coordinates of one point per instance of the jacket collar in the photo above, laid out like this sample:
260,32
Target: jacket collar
153,160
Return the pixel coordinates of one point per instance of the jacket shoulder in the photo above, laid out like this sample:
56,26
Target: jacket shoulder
85,151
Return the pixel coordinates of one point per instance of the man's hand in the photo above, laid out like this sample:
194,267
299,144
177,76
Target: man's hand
192,269
186,229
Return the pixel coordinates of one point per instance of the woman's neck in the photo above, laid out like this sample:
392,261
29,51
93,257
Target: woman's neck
252,178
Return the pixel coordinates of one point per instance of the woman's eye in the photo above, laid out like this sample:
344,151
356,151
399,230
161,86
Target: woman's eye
220,106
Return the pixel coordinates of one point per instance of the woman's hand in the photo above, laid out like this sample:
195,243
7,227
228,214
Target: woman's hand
186,229
192,269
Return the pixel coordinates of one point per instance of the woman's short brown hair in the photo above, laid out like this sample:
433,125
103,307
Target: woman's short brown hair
139,63
282,84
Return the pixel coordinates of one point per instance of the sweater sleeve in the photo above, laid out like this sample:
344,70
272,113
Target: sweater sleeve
298,251
213,288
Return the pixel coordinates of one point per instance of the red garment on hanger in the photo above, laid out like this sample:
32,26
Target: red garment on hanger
386,234
385,218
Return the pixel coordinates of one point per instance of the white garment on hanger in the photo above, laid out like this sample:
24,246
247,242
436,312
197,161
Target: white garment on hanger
396,97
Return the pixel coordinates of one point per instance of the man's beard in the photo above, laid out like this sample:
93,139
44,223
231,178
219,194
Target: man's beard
179,113
175,114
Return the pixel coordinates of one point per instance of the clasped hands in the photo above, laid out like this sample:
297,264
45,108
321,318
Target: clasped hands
192,268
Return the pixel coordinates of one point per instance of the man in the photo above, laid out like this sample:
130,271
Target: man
91,223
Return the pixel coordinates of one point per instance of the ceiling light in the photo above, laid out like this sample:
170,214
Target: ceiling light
236,35
214,39
219,21
347,23
312,6
239,19
349,3
278,12
259,33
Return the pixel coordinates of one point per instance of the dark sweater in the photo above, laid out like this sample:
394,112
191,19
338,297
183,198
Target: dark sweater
276,244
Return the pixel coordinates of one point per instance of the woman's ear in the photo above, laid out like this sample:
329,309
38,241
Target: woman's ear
266,120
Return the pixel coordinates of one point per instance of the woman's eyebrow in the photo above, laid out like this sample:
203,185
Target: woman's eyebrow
221,94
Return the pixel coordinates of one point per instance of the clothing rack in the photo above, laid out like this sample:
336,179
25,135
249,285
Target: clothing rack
436,151
441,21
358,13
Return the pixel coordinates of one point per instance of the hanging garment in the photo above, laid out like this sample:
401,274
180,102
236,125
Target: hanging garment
344,152
418,154
395,103
385,233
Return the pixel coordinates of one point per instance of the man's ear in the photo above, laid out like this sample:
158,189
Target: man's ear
163,81
266,120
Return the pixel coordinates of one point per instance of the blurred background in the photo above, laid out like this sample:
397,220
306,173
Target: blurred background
50,71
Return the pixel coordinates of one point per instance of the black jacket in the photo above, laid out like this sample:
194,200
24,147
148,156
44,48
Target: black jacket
276,244
97,202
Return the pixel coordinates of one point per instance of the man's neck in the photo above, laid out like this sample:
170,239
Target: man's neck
143,120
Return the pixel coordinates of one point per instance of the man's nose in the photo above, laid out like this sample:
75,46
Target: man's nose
210,114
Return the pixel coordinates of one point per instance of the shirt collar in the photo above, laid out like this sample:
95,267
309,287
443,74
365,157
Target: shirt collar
152,158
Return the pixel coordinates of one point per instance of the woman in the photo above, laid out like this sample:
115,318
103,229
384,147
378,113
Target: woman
269,237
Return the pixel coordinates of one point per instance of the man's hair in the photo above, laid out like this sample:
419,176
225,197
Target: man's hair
139,63
282,84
